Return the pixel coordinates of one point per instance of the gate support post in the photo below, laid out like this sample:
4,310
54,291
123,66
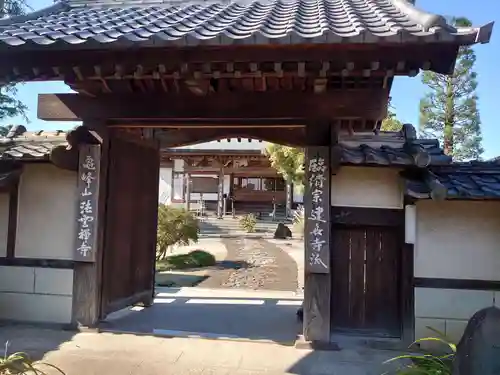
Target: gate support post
317,228
86,307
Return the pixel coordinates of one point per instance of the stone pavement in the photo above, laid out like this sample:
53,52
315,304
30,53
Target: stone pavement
263,266
262,315
123,354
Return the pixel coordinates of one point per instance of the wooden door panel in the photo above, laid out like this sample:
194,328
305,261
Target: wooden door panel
366,280
131,215
340,279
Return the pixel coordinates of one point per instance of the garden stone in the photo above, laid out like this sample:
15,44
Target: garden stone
282,232
478,352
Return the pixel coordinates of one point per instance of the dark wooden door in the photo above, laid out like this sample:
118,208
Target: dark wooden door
131,218
366,279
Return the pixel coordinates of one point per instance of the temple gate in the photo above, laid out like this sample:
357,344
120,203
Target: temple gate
158,75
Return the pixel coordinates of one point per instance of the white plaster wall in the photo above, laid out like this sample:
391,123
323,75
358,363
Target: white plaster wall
298,194
458,240
448,310
47,211
165,186
455,240
31,294
367,187
4,222
178,165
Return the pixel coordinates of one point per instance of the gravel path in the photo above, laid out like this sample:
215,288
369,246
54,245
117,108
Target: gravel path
263,266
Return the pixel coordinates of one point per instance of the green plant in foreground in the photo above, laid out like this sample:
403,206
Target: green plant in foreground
176,226
193,259
248,223
429,363
20,363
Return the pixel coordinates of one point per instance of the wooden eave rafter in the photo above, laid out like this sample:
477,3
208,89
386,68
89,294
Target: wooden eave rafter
207,69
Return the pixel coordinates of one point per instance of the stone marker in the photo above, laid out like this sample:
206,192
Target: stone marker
282,232
478,352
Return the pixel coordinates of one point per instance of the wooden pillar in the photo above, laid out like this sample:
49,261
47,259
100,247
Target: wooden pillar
89,251
220,193
187,198
317,241
289,199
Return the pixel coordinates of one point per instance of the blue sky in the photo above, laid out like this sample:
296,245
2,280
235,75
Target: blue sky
406,92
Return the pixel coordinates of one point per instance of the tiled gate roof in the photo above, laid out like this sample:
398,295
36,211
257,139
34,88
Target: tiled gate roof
163,22
473,180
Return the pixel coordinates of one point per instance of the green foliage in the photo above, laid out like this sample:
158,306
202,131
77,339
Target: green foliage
288,161
449,110
20,364
248,223
429,363
10,106
12,8
176,226
193,259
391,123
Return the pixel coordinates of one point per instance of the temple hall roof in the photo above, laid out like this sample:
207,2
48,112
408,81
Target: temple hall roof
472,180
153,23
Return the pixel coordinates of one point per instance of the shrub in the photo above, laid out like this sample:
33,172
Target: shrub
193,259
176,226
248,223
429,363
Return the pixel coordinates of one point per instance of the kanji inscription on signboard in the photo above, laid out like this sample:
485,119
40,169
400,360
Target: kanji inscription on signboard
88,188
317,210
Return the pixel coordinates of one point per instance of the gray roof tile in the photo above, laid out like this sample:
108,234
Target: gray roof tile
473,180
31,145
228,22
392,156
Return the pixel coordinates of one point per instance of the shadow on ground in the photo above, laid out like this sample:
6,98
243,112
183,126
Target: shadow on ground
266,319
35,341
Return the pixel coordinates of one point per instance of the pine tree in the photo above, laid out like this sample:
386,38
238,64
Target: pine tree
449,110
391,123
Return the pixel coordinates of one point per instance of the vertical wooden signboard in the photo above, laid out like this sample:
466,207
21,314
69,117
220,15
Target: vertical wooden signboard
317,210
88,187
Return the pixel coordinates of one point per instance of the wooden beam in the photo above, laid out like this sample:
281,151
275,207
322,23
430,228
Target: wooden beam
12,225
183,137
356,103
